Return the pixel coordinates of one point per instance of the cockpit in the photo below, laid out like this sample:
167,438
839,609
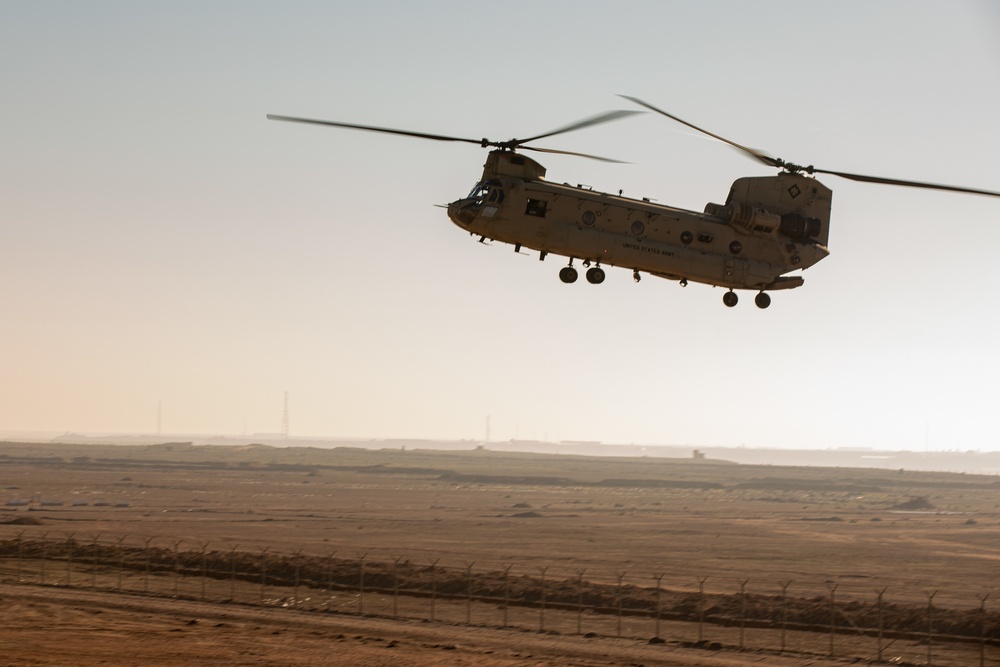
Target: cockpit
487,192
484,200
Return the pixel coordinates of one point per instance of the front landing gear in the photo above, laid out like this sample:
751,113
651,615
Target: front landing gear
763,300
730,298
595,275
568,274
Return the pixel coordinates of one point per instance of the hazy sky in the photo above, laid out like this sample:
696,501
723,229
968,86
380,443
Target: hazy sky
162,242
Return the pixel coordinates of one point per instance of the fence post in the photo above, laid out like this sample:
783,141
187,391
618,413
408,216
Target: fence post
881,622
295,588
42,568
121,561
468,590
263,572
618,598
177,570
93,563
361,584
18,576
329,578
656,630
204,569
395,587
832,586
506,593
930,628
579,601
541,611
701,608
784,612
69,558
434,588
982,630
145,585
232,574
743,609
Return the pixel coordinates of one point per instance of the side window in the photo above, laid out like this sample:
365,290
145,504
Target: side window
536,207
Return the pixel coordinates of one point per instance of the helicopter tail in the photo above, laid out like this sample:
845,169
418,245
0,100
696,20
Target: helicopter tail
791,205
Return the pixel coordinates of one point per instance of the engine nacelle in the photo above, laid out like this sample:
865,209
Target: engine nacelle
746,218
793,205
799,227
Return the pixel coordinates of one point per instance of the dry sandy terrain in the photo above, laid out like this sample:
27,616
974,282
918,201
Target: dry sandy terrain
61,627
860,530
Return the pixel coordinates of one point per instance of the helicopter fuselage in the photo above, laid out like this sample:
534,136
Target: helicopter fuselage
768,227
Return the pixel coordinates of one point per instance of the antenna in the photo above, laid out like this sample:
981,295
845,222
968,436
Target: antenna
284,418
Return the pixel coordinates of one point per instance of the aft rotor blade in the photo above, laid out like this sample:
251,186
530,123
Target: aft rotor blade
558,152
777,162
910,184
371,128
579,125
766,159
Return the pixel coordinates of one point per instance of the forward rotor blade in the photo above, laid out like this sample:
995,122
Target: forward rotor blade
558,152
766,159
579,125
370,128
909,184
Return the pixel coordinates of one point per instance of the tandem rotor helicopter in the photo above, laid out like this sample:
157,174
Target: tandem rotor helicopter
768,227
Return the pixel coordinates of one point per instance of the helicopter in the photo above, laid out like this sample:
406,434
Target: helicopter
768,227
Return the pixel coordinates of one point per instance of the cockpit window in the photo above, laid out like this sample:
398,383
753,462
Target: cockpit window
478,191
490,191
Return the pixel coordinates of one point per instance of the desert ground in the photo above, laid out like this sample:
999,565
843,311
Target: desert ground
545,531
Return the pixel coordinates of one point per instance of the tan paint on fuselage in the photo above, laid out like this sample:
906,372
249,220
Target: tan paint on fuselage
648,237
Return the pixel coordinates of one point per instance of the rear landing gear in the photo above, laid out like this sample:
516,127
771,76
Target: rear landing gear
595,275
568,274
763,300
730,298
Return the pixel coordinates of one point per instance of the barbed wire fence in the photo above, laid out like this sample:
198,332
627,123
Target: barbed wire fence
743,614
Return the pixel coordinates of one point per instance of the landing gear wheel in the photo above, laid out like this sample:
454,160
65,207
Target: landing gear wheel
763,300
567,274
730,298
595,276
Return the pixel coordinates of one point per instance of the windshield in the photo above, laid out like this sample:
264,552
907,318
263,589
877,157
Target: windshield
487,191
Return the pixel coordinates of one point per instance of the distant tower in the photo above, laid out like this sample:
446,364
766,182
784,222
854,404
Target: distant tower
284,418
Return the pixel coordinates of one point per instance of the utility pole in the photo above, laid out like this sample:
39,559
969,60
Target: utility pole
284,418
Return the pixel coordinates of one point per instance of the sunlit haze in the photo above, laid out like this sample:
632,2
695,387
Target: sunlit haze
173,261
